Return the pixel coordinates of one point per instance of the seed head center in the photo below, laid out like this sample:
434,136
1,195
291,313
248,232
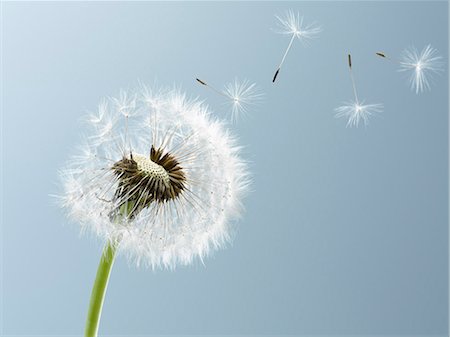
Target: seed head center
143,180
151,169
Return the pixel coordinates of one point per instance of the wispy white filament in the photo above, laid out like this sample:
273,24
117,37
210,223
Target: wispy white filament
356,112
242,96
165,233
422,66
292,24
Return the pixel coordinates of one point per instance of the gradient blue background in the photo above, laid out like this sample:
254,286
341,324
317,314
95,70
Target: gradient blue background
346,230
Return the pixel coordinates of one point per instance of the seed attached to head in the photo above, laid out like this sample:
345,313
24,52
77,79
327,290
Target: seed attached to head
143,180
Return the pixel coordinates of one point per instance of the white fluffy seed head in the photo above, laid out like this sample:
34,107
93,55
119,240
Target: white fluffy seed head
185,197
422,66
293,24
357,112
243,95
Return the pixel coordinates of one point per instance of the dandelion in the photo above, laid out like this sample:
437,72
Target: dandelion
292,24
356,111
163,185
240,95
422,66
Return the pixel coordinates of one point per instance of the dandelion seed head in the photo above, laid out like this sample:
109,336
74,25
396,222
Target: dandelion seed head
243,95
164,178
422,66
357,112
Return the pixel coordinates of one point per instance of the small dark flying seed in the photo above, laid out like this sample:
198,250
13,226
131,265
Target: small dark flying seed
275,76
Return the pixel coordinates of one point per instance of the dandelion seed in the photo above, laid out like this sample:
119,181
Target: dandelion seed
422,66
292,24
355,110
241,95
168,186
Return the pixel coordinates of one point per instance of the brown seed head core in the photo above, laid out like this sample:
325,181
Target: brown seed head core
143,180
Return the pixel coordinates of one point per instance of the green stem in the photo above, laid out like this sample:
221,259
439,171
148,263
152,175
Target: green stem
99,290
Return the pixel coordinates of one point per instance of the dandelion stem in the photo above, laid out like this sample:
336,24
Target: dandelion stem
217,91
352,78
284,57
354,86
287,51
99,289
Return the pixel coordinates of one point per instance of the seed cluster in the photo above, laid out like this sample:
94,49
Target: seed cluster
151,169
143,180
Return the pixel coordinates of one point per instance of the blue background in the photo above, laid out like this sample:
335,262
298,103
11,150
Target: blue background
346,230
